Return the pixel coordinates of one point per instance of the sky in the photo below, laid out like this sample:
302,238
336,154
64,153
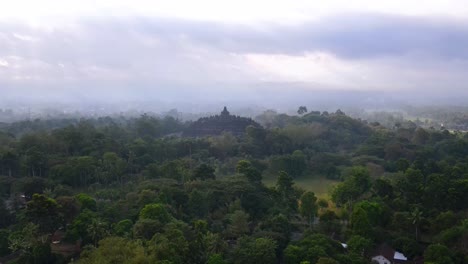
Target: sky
137,49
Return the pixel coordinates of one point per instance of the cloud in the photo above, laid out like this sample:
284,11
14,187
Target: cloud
350,36
249,12
347,51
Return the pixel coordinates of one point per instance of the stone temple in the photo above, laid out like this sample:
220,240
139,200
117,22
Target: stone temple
216,125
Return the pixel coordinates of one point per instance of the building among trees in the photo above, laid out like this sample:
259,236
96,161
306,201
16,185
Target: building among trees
216,125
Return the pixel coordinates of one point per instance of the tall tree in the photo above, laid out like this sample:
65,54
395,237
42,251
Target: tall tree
204,172
302,110
239,223
360,222
44,212
308,206
416,217
97,230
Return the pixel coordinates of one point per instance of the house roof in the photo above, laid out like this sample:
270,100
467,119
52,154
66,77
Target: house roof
399,256
390,254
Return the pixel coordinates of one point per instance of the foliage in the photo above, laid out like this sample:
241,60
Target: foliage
155,212
116,250
253,251
308,207
437,253
131,190
355,184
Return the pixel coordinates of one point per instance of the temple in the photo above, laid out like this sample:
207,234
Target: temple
216,125
225,112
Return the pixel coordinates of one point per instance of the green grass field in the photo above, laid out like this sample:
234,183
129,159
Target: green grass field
319,185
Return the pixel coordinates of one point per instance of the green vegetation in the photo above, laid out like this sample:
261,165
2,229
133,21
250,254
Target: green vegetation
132,190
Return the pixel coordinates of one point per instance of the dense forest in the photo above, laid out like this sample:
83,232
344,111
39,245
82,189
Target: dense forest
133,190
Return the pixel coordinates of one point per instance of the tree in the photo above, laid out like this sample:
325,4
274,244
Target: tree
284,184
197,204
402,164
455,237
97,230
155,212
420,136
298,163
42,254
383,188
302,110
4,249
170,246
323,260
216,259
375,212
86,201
360,222
79,227
30,186
69,208
174,169
224,145
116,250
411,185
24,239
84,169
204,172
293,254
322,204
113,168
146,228
254,176
43,211
35,161
308,207
147,127
32,246
311,248
239,223
287,195
254,251
329,223
294,164
10,161
356,184
123,228
416,217
215,244
198,246
359,245
243,166
439,254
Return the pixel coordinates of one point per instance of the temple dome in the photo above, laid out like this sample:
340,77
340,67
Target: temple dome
216,125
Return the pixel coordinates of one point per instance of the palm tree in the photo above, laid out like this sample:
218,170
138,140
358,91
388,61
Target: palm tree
215,244
416,217
97,230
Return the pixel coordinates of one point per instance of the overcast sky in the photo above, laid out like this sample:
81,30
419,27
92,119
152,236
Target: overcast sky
134,47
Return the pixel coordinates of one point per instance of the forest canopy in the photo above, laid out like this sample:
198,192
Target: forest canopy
136,190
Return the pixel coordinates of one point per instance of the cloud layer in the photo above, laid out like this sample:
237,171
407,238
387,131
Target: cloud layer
352,51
